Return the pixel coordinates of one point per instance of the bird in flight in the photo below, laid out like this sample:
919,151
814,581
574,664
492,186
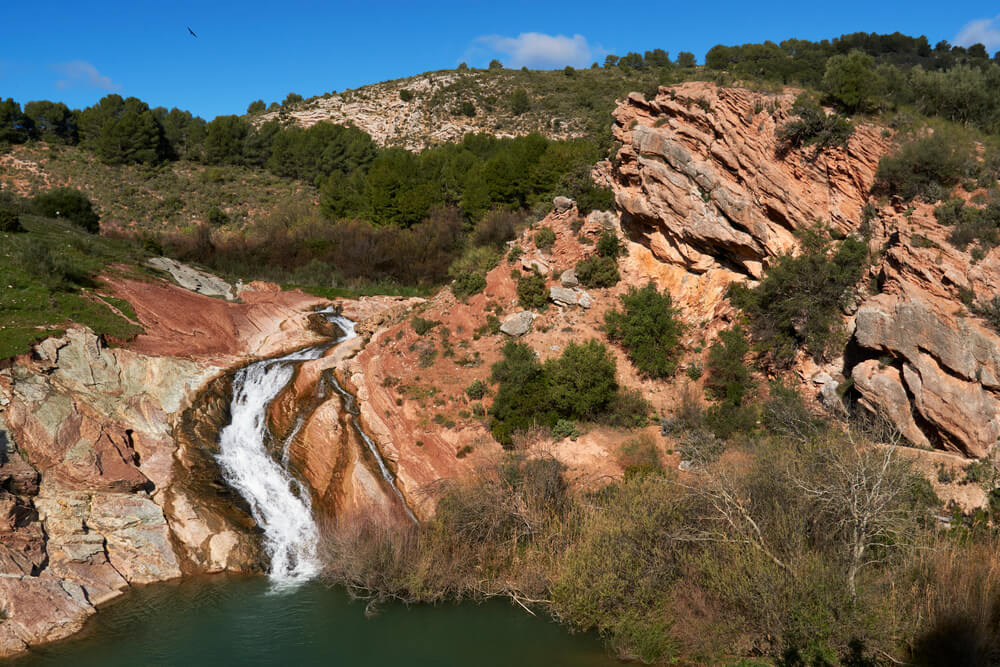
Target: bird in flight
191,31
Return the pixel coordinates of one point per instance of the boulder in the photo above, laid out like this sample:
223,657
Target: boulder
569,278
882,390
518,324
535,264
562,296
193,279
562,204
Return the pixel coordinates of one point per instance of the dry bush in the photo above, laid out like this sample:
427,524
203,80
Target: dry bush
957,591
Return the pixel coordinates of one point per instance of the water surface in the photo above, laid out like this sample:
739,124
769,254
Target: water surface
230,620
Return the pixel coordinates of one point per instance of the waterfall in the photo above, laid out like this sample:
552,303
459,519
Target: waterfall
279,503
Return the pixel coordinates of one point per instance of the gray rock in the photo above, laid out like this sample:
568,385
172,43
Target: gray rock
191,278
583,299
518,324
569,279
562,204
562,296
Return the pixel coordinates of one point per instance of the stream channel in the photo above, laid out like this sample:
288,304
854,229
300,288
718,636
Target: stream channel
289,618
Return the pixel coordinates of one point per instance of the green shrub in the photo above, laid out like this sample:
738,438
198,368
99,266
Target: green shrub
532,294
970,224
928,167
627,409
216,216
565,428
799,302
581,380
519,101
598,272
813,127
648,330
522,399
405,94
10,221
545,238
728,377
67,203
469,284
422,325
476,390
609,245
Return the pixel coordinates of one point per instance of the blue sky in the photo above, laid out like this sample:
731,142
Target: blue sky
77,52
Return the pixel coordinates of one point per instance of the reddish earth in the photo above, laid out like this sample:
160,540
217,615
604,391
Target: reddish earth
183,324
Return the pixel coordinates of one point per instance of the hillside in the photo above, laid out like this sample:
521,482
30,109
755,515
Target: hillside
146,200
444,106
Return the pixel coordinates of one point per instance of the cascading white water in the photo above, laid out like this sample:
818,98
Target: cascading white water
279,502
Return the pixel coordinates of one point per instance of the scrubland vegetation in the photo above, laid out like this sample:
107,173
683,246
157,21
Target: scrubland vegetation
49,267
787,537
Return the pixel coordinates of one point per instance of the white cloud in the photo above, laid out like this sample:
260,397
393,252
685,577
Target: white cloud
81,74
540,51
980,31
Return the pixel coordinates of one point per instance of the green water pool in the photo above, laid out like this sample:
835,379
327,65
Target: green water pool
227,620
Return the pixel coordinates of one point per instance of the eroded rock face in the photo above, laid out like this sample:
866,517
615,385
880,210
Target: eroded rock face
100,487
702,185
698,181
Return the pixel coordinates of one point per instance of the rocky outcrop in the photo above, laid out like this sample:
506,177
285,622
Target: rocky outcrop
193,279
104,484
698,181
704,188
518,324
422,119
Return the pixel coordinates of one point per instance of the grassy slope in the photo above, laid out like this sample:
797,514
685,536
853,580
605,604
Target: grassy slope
172,196
34,303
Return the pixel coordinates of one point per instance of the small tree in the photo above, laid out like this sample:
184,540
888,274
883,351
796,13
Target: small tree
291,98
582,380
685,59
728,378
851,81
256,107
496,64
519,102
648,330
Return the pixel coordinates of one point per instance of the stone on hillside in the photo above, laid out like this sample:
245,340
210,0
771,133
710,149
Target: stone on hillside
569,278
562,204
534,264
518,324
562,296
191,278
